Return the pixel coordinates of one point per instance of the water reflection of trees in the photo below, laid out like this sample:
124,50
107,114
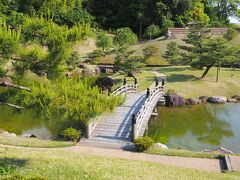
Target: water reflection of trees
19,121
200,121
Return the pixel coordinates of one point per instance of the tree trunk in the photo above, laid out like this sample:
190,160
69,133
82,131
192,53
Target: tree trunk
15,86
140,30
11,105
206,71
218,70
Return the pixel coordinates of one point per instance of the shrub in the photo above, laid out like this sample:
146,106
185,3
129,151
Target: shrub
150,51
230,34
71,134
143,143
125,37
6,170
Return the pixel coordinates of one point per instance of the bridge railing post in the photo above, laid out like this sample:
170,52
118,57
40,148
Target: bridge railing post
134,127
148,93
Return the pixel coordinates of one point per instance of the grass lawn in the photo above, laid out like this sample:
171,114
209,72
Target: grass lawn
61,164
185,81
145,79
183,153
32,142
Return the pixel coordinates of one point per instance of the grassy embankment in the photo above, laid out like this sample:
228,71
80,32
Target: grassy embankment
68,165
157,59
185,81
32,142
161,45
183,153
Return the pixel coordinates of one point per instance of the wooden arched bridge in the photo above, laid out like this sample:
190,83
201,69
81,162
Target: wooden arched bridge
129,121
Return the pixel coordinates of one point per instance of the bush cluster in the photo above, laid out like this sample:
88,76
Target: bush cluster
71,134
143,143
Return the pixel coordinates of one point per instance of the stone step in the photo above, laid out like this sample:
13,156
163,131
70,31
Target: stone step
116,130
111,133
114,126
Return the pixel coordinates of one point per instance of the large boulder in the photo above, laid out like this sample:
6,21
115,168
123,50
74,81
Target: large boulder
83,66
5,81
217,99
104,83
175,100
203,99
159,146
236,97
7,134
192,101
231,100
88,73
29,136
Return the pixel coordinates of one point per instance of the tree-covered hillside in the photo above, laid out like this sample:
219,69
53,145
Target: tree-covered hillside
136,14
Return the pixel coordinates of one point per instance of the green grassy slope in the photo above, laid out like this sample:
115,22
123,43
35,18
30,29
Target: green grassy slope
185,81
161,45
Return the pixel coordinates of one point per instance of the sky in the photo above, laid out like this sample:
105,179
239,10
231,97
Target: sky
234,20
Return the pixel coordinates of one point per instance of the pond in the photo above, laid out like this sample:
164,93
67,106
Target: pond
198,127
30,122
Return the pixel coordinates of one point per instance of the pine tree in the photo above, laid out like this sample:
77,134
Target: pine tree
172,54
214,53
198,32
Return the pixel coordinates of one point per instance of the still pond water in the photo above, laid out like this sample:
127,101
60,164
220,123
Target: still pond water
29,122
193,127
198,127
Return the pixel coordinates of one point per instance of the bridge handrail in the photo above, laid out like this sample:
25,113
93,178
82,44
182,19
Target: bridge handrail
145,107
125,89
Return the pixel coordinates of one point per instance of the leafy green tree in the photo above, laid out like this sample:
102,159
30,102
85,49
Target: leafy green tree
230,34
127,62
149,51
33,58
103,41
125,37
214,53
9,44
172,54
233,56
152,31
198,32
221,10
198,13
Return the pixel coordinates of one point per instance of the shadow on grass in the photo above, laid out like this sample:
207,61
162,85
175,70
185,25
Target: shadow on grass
173,69
9,165
181,78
